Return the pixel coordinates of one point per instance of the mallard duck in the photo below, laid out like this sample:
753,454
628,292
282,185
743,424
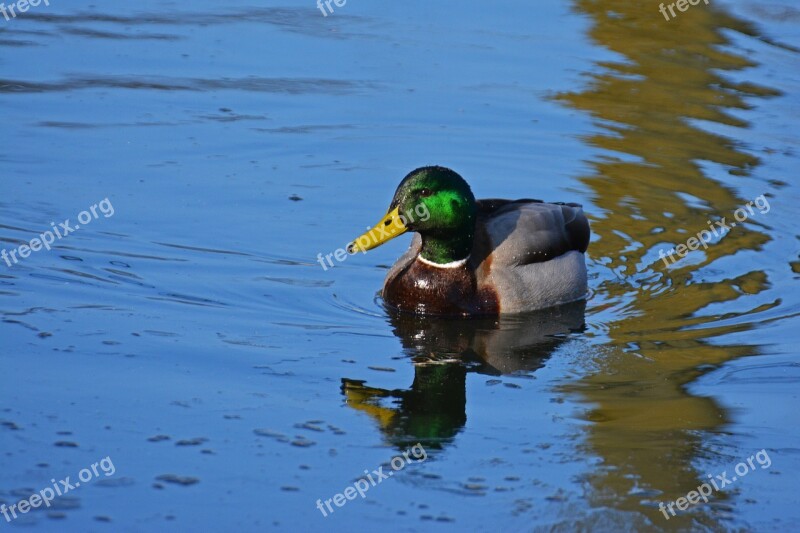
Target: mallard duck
478,257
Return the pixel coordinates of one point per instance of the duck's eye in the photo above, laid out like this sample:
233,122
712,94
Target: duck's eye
425,192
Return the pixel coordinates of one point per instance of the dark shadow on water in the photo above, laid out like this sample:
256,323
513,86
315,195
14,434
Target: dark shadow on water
305,20
161,83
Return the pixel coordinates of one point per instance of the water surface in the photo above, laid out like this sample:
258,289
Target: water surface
193,337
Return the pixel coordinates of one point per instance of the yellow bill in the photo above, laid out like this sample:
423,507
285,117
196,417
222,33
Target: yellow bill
390,226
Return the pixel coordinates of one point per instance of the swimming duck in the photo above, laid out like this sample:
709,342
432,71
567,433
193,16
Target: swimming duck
478,257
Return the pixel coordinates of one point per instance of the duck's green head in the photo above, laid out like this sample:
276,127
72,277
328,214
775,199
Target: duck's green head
436,203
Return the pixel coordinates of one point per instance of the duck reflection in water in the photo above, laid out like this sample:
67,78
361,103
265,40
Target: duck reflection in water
433,410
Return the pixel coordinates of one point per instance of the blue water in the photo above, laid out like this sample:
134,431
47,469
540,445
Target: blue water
192,334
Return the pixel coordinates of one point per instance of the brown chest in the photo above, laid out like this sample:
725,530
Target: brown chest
424,289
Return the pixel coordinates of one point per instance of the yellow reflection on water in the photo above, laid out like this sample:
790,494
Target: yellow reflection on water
649,182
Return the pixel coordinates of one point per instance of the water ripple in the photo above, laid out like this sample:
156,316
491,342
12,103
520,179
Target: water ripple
163,83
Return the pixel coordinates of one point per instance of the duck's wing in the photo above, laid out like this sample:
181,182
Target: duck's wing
530,253
521,232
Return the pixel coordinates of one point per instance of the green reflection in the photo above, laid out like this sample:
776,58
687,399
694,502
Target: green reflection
433,410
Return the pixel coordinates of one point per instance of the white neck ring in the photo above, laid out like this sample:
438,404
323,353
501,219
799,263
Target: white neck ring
452,264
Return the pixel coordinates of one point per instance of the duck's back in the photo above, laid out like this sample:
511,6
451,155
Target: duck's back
531,253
